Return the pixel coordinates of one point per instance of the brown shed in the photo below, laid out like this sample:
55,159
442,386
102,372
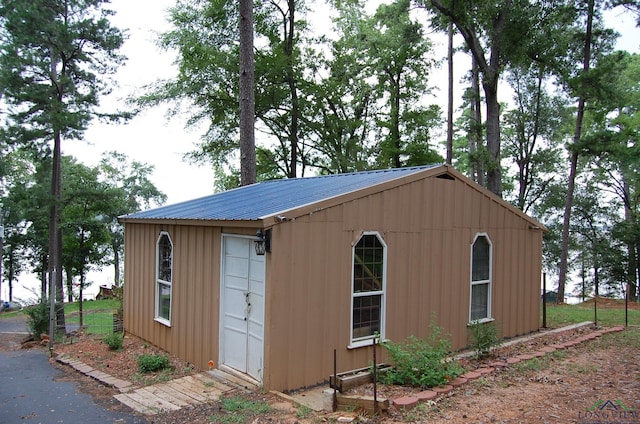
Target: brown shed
347,256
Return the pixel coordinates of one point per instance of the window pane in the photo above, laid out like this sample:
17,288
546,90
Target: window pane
368,264
164,258
164,301
480,264
366,315
479,301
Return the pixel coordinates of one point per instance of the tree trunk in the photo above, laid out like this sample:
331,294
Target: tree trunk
293,89
475,130
394,125
631,247
116,265
56,295
494,170
10,282
60,319
564,244
450,98
564,254
44,282
247,96
80,301
476,134
69,286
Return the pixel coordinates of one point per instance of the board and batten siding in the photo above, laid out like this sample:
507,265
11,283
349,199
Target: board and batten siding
428,226
193,334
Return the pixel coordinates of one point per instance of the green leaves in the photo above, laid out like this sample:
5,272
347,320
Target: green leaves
54,65
421,363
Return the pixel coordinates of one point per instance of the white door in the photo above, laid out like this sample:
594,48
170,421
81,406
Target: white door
242,306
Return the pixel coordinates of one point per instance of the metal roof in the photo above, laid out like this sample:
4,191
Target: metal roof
269,198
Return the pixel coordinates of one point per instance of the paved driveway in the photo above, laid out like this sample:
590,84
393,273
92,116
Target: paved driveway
31,390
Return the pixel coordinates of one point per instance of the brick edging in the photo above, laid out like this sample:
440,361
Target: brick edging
101,377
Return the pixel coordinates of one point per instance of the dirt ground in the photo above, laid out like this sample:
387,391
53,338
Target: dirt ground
596,381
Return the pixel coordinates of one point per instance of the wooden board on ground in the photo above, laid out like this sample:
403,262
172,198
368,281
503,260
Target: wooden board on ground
354,378
153,399
135,405
175,391
167,396
350,403
188,385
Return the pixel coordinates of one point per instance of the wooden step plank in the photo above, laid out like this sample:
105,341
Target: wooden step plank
165,395
196,388
208,381
349,402
175,390
150,394
134,404
188,387
145,401
152,401
229,378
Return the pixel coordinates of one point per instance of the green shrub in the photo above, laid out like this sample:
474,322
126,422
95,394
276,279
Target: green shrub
38,318
151,363
114,341
484,337
421,363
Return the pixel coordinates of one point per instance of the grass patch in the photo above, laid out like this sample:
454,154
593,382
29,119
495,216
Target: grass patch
147,379
582,368
535,364
11,314
561,315
97,315
303,412
91,306
240,410
628,338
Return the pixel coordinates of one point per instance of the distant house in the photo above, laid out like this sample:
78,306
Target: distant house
551,297
347,256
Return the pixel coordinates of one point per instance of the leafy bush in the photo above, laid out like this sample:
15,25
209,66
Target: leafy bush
114,340
484,337
151,363
38,318
421,363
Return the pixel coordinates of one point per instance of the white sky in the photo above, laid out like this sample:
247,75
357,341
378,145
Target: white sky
154,139
150,137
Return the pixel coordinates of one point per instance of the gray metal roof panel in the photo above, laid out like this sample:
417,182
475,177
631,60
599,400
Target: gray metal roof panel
268,198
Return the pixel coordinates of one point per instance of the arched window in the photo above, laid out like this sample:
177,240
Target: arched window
164,275
481,252
368,288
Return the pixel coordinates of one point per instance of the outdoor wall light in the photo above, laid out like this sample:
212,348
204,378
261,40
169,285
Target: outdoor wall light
263,242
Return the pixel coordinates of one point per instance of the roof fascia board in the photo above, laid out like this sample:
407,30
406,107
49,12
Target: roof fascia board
197,222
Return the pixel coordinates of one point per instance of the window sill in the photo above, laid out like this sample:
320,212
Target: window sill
163,322
363,343
480,321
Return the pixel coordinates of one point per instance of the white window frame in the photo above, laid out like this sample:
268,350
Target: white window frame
159,282
488,282
368,340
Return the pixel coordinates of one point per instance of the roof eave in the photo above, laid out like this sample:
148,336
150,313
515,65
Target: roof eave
240,223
